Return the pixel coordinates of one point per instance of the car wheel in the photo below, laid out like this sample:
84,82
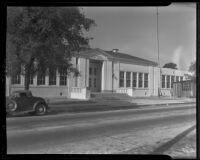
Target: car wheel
40,109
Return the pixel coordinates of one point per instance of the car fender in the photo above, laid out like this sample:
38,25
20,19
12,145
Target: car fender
36,103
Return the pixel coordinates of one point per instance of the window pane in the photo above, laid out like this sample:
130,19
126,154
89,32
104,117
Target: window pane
16,79
163,81
40,78
177,78
168,81
146,80
52,76
172,81
128,79
134,81
90,71
121,81
140,79
63,77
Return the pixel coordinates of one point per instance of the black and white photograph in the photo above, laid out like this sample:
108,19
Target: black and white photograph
101,80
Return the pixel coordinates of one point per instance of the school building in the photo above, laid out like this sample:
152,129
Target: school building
102,71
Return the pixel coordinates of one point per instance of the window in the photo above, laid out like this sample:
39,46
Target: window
140,80
121,79
168,81
40,78
181,78
16,79
177,78
52,76
95,71
163,81
90,71
146,80
128,79
63,77
186,86
90,82
172,81
134,81
95,82
31,79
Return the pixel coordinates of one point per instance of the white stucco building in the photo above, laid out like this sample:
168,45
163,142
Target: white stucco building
103,71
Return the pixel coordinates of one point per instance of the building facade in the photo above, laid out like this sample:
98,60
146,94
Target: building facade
102,71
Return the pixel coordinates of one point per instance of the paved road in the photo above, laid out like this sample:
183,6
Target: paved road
56,133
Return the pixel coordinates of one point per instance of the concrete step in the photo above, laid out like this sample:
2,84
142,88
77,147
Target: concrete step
110,96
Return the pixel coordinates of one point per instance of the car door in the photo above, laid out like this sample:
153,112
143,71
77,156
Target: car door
23,102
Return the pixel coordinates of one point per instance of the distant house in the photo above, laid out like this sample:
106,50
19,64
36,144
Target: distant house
104,71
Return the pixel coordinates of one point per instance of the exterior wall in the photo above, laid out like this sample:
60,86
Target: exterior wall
44,91
109,81
171,72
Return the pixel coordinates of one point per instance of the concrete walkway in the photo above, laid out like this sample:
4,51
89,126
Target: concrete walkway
123,102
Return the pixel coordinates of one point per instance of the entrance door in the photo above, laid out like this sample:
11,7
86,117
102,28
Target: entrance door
95,76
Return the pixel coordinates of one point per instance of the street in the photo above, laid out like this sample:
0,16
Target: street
110,132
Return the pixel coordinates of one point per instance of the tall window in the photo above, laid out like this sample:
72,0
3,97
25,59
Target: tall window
63,77
31,79
90,82
40,78
181,78
146,81
134,80
52,76
172,81
128,79
121,79
168,81
163,81
177,78
95,82
90,71
140,80
16,79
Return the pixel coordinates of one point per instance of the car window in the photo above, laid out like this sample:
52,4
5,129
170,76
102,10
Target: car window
23,95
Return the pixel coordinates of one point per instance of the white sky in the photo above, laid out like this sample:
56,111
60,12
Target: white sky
133,31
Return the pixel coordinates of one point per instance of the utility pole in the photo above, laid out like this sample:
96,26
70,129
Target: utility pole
158,53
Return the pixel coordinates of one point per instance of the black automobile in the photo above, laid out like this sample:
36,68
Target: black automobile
24,101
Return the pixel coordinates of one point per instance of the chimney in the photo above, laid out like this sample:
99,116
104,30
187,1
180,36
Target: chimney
115,50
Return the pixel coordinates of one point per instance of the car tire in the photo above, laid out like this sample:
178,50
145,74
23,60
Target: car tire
40,109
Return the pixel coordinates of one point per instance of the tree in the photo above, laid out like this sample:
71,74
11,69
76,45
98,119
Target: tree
192,69
170,65
44,37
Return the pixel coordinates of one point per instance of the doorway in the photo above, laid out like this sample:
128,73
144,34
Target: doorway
95,68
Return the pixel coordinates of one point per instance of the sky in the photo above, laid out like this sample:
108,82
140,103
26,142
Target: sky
133,30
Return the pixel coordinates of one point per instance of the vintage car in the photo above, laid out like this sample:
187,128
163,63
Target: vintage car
24,101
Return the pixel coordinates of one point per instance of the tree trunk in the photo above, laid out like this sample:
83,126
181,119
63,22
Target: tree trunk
27,77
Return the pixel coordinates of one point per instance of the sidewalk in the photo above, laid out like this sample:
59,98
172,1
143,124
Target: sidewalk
140,101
